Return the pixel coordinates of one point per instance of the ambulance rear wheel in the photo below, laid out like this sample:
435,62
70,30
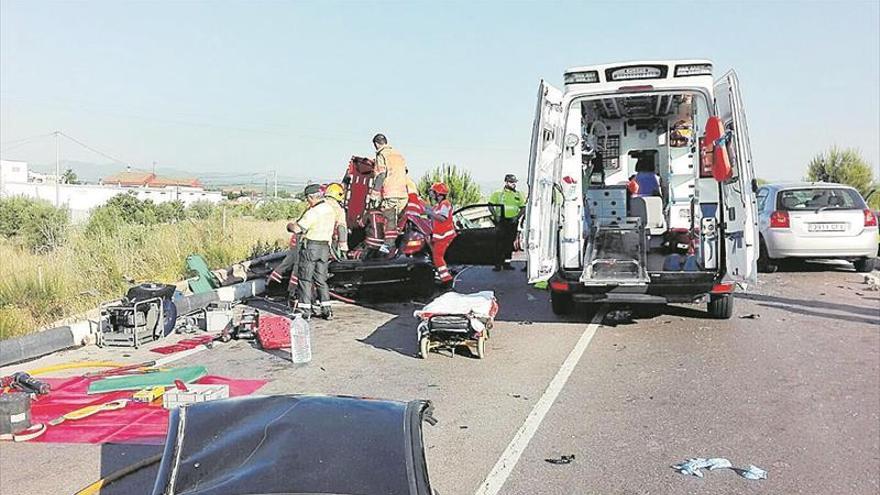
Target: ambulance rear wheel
481,347
423,347
721,306
561,303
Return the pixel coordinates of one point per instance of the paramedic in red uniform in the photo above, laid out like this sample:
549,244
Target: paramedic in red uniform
444,229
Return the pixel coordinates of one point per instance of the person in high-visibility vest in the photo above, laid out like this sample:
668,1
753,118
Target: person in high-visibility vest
389,188
511,205
443,229
335,195
316,226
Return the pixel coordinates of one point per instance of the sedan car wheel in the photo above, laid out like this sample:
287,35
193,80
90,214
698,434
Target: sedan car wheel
864,265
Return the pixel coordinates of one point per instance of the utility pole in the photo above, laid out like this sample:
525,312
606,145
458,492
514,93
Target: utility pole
275,181
57,169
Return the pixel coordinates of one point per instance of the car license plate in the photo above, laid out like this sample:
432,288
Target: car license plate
826,227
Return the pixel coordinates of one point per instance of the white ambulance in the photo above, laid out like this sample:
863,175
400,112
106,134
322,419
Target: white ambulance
641,187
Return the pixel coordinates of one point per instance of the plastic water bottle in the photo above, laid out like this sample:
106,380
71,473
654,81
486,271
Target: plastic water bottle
300,341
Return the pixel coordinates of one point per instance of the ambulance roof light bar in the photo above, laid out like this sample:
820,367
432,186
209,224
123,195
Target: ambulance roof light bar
581,77
687,70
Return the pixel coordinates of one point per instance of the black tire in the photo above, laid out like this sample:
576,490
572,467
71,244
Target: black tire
721,306
561,303
765,264
864,265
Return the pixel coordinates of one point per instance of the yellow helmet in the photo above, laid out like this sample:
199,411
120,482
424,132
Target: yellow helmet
335,191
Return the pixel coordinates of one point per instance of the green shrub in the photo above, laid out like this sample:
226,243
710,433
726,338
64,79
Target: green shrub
132,209
843,166
170,211
201,210
279,210
35,224
463,190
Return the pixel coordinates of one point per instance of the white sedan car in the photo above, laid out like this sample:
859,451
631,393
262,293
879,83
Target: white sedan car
815,220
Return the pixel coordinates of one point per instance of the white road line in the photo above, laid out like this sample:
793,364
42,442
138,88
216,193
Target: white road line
499,474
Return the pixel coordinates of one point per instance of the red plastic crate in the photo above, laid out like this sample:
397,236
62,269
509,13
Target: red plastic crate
274,331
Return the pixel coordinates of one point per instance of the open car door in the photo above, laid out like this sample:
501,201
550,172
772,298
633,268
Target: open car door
542,213
476,242
739,220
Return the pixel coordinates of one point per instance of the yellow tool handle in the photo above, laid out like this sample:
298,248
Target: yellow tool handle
90,410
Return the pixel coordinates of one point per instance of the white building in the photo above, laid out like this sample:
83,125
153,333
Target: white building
13,171
80,199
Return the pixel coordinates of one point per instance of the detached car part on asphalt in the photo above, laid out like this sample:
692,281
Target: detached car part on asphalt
296,444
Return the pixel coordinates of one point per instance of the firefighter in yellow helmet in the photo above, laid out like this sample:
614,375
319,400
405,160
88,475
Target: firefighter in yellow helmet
335,196
317,226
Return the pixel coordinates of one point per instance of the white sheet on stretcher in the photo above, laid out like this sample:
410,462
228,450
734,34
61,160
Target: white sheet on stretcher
479,304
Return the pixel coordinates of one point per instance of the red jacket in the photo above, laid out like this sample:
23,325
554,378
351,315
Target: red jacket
443,229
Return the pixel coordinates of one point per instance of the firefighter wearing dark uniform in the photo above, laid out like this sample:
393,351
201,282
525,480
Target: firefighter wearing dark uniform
290,262
317,226
443,229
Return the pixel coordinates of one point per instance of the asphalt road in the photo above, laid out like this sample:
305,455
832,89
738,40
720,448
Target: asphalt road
794,390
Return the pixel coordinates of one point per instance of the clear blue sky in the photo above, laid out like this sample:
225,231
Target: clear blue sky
245,87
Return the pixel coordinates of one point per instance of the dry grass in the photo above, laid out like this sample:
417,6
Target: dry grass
37,290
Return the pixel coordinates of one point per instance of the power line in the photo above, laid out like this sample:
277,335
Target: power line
84,145
11,141
24,142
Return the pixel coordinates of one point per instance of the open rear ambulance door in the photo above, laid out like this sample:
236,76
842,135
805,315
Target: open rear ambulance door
542,214
739,221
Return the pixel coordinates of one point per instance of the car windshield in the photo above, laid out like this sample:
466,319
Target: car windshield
819,198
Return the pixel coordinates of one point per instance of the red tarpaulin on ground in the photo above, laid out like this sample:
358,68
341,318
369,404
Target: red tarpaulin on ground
185,344
135,423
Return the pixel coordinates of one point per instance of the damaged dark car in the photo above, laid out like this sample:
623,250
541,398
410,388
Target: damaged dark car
296,444
410,271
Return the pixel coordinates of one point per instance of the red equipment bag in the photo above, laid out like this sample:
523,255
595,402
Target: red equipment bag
721,169
274,331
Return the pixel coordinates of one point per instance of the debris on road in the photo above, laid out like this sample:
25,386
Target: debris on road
618,316
754,473
565,459
873,280
693,466
750,316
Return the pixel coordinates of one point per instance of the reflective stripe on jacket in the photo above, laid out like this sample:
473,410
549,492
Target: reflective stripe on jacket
443,229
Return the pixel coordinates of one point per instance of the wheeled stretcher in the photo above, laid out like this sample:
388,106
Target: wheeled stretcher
454,320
